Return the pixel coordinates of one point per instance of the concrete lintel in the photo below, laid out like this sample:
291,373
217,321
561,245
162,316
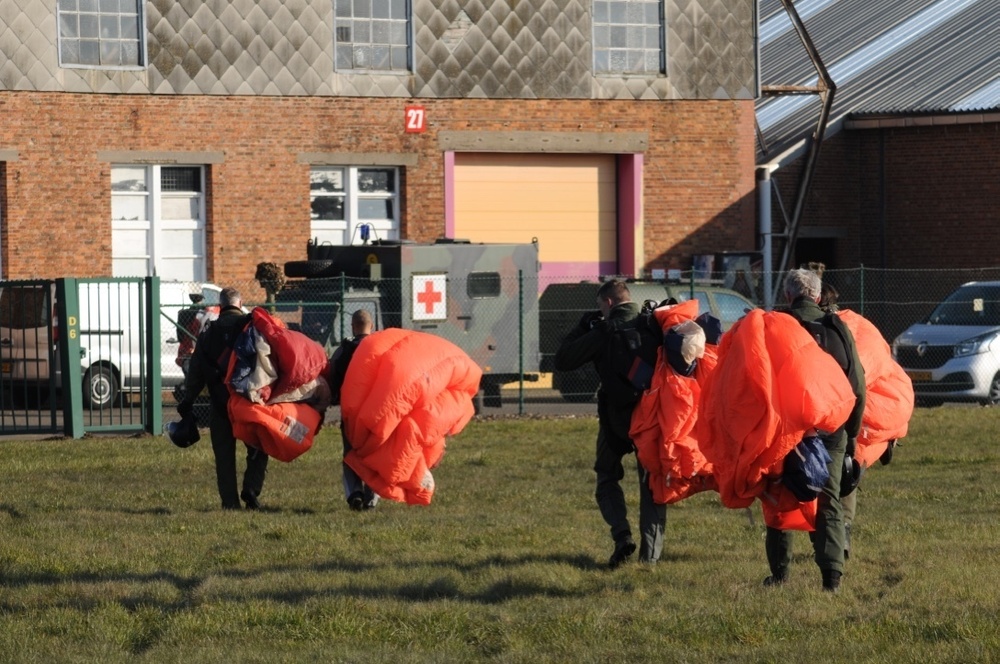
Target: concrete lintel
543,141
158,157
8,155
938,120
358,158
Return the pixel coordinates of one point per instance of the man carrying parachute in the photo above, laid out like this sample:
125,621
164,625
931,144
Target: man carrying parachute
774,388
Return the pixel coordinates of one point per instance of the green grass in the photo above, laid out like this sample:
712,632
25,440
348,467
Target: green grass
114,550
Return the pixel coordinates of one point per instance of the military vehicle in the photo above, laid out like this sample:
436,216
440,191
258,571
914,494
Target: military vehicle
481,297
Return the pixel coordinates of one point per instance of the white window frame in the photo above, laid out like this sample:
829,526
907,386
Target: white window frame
155,225
638,32
355,38
350,225
70,13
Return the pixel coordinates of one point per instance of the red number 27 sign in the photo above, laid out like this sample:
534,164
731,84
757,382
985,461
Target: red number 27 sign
416,119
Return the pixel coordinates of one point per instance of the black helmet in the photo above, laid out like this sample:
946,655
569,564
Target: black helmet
850,476
184,433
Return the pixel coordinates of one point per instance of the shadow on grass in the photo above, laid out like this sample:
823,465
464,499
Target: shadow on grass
440,588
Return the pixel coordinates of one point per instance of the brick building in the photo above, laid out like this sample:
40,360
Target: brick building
193,139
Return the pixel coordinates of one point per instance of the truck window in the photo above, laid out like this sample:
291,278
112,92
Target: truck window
483,284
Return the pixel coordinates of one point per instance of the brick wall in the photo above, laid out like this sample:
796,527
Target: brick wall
698,189
913,197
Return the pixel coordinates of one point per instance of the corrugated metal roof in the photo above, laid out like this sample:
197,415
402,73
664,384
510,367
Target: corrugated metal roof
892,56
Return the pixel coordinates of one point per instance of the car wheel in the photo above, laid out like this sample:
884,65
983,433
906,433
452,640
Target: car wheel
100,388
994,396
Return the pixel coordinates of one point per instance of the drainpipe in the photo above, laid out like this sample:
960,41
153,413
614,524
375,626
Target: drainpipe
764,218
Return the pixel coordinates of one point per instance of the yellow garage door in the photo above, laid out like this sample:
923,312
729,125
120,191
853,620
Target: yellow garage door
566,201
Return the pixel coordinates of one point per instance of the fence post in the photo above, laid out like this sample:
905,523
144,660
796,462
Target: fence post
520,341
68,308
861,280
154,382
340,305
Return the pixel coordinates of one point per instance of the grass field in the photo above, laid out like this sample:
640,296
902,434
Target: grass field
114,550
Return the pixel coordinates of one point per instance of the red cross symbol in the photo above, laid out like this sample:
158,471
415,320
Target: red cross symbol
429,297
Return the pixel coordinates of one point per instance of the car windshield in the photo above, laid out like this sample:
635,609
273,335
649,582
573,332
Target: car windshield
969,305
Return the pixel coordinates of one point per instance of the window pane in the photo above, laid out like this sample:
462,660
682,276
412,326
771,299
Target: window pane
342,8
376,180
326,179
380,32
110,53
399,57
398,9
182,178
361,31
380,57
328,207
67,5
69,51
380,8
369,208
362,8
109,27
128,178
362,57
130,53
600,12
90,53
483,284
109,6
89,26
344,56
88,5
128,208
69,25
179,208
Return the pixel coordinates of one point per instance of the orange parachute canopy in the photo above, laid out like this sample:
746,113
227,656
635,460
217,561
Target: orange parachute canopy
889,404
664,418
888,408
404,392
772,384
283,431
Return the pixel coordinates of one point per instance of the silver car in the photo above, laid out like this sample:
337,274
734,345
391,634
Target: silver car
954,355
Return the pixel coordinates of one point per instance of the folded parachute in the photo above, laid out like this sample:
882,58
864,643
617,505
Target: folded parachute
888,408
278,388
664,418
404,392
772,384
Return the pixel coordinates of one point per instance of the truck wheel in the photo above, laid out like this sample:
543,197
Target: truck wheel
100,388
306,269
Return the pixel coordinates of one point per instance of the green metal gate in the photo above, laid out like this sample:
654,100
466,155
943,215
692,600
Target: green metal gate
79,356
110,351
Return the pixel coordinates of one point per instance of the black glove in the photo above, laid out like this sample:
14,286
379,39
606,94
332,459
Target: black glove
590,319
887,455
185,409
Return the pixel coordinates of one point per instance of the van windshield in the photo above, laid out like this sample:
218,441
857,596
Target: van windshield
969,305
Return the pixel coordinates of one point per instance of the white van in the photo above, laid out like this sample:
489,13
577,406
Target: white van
110,332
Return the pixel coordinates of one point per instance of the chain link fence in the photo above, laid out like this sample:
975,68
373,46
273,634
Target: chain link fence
514,334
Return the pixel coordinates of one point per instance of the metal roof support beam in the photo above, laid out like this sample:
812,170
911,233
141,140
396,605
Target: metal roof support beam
825,88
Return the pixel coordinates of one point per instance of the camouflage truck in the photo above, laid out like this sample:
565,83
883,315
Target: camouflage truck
481,297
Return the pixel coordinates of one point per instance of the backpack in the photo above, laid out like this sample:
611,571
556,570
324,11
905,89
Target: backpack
626,370
827,331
